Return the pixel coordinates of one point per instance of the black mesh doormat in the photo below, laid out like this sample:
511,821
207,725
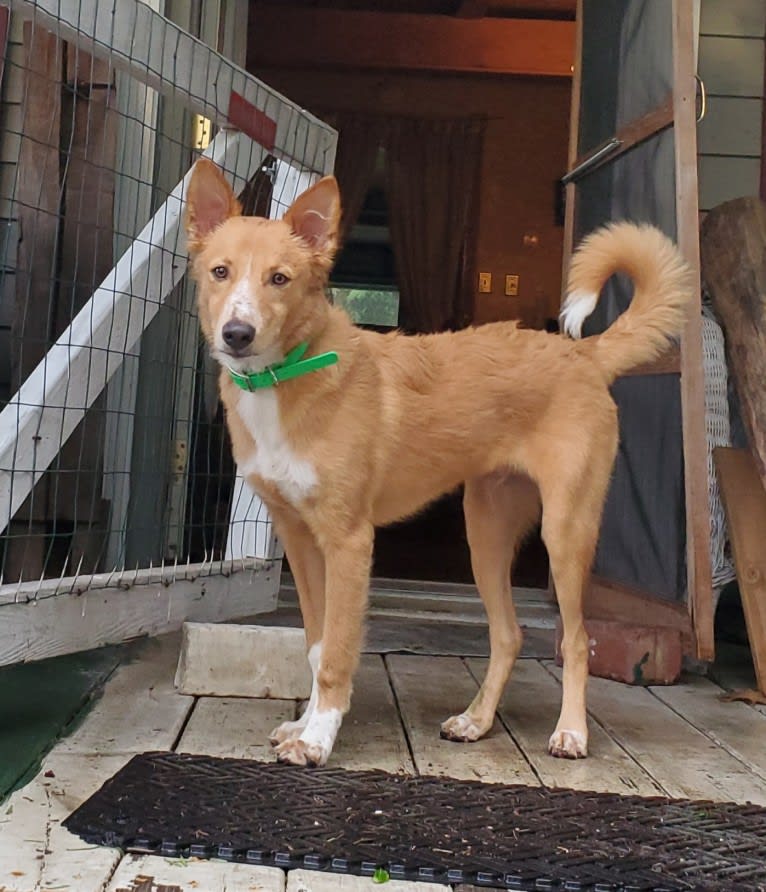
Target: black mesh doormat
423,828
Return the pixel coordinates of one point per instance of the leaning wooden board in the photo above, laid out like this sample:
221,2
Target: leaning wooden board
733,254
744,499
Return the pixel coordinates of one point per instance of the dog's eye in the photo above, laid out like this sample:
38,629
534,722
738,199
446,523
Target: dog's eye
220,273
279,279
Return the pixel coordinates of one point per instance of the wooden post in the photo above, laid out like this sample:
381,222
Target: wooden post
89,131
570,190
5,22
763,128
37,200
699,576
37,197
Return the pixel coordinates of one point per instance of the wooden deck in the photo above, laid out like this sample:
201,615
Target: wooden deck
680,741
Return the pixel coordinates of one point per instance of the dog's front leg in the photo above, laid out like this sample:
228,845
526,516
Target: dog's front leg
347,576
307,566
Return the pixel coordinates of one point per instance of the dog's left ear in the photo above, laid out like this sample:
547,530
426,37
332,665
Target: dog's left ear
315,216
210,201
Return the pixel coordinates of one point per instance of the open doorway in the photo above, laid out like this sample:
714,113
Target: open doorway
518,95
431,546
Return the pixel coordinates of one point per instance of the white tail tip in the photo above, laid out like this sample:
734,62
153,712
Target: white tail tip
577,307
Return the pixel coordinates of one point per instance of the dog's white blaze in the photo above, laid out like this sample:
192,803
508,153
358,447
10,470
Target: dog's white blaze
579,304
241,305
273,459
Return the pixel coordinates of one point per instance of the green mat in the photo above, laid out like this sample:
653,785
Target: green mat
40,701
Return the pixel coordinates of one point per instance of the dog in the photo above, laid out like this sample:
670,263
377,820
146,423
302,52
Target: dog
341,430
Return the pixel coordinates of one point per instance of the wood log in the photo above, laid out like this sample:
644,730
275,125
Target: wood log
745,502
733,252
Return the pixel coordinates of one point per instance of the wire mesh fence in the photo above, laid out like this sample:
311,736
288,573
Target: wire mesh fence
113,451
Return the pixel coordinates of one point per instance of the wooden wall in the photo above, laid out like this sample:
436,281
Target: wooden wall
731,63
10,141
525,155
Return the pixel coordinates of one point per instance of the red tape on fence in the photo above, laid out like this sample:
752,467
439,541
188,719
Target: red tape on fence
252,121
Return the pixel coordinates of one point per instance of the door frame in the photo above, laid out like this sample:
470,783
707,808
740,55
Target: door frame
678,111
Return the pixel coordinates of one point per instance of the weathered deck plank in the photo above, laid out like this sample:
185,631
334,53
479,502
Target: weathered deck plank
311,881
735,726
678,756
178,875
372,735
36,852
429,690
139,710
234,727
530,708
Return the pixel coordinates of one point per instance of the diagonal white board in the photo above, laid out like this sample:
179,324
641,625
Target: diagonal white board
54,398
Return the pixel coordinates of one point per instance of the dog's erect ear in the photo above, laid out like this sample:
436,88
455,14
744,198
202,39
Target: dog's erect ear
315,216
210,201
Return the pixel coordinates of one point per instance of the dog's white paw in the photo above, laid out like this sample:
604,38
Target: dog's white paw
461,728
568,745
315,742
298,752
286,731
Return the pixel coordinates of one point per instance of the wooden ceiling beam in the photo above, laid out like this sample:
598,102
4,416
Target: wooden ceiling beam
292,37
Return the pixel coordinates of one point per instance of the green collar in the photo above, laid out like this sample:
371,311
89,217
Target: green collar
292,366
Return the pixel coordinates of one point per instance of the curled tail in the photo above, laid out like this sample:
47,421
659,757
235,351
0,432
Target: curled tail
662,294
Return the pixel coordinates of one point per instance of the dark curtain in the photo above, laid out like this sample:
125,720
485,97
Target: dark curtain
432,183
432,179
359,140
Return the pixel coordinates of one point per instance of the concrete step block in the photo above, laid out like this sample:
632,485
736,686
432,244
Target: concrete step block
233,660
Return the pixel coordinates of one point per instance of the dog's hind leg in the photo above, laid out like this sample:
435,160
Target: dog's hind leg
347,575
499,511
307,566
572,506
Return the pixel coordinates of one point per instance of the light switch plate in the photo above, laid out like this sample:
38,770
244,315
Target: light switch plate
485,283
511,286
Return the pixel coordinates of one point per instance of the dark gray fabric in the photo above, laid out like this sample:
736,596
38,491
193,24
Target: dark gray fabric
643,539
359,140
627,64
431,168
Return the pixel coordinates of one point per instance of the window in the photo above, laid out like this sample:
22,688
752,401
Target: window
363,281
369,304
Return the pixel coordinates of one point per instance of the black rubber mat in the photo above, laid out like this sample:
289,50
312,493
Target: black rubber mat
423,828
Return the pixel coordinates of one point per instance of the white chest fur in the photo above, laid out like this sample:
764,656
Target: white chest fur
273,459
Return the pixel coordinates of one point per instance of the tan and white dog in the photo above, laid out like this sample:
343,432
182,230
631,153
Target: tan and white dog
341,430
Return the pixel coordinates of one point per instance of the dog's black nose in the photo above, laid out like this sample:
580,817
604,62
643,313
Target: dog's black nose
238,334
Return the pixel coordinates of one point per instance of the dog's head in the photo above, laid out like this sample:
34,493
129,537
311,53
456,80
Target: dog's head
260,282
